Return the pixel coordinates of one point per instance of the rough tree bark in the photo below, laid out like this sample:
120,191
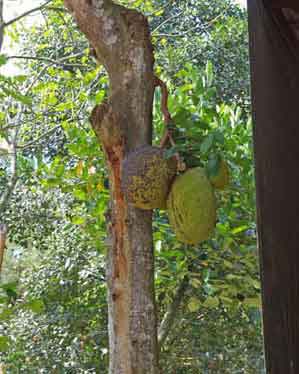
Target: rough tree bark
121,40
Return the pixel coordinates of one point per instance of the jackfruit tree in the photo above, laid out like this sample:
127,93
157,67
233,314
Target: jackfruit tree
140,179
121,40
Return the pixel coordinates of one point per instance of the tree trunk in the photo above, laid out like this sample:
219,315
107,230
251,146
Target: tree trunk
274,57
121,40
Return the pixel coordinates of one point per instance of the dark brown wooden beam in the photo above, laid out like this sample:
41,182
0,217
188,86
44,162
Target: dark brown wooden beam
274,63
293,4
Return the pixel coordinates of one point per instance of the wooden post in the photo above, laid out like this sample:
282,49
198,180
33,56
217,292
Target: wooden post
274,58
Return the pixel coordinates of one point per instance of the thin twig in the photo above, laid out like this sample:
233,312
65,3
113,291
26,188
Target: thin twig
35,141
36,78
166,21
50,60
167,137
164,100
56,9
192,29
160,9
13,126
167,116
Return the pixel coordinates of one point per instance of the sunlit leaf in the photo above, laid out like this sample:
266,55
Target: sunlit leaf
194,304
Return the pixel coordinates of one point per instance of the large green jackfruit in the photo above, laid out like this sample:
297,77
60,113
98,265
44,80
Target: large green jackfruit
147,176
191,206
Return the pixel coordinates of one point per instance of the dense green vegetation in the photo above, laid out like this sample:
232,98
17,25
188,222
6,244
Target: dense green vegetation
53,313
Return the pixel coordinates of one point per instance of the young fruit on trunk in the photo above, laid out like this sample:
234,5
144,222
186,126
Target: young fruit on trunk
147,176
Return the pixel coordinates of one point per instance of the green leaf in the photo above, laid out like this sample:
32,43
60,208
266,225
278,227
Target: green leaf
196,283
21,78
211,302
5,314
209,73
253,302
77,220
186,87
18,96
207,143
4,343
239,229
226,300
36,306
80,194
64,106
10,289
213,166
256,283
59,170
51,99
219,137
3,60
194,304
100,96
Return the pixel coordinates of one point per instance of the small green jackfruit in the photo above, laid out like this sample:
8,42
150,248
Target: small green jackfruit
221,179
147,176
191,206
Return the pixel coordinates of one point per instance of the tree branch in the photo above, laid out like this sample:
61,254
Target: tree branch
192,29
35,141
166,21
56,9
50,60
172,311
33,10
155,12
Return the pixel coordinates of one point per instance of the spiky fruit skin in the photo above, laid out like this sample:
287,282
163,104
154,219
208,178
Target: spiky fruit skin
147,176
221,180
191,206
